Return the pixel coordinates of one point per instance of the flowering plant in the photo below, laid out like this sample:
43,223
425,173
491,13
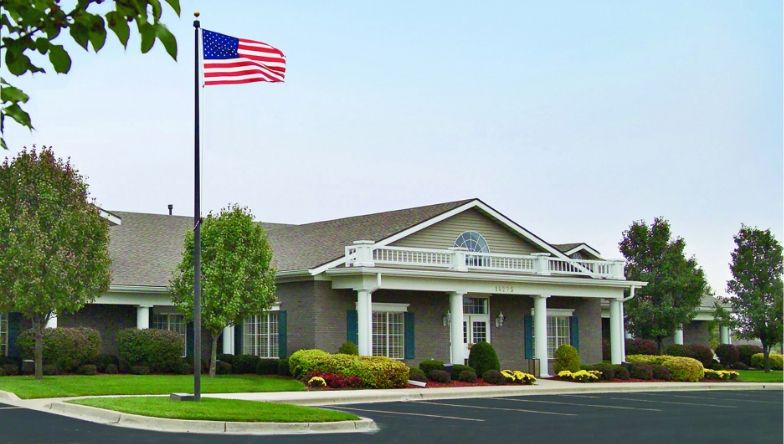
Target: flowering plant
317,381
518,377
724,375
580,376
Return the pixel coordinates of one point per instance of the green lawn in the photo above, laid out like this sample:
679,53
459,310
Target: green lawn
760,376
211,409
27,387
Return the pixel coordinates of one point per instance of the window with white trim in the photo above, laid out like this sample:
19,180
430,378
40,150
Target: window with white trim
172,322
260,335
3,334
558,334
389,334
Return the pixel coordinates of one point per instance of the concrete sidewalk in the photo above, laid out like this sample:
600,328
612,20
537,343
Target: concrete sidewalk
543,387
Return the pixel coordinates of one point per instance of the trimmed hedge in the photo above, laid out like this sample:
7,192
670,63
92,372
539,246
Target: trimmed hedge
483,358
647,359
620,372
566,358
283,367
245,364
456,369
728,354
641,371
267,367
700,352
440,376
111,369
103,360
607,370
638,346
88,369
158,350
776,361
65,348
684,369
429,365
416,374
348,348
375,372
493,377
745,352
661,372
676,350
467,376
10,369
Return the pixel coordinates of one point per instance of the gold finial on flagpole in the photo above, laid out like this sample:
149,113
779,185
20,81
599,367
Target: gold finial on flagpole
196,13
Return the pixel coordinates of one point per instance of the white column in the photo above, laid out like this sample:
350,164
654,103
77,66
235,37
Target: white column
142,317
52,322
615,332
623,333
228,340
540,333
456,327
365,322
724,333
678,337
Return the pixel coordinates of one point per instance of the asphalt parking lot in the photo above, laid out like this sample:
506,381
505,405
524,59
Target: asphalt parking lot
694,417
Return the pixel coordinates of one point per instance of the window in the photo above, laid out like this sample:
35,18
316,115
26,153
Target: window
261,335
475,305
3,334
558,334
473,242
173,322
388,334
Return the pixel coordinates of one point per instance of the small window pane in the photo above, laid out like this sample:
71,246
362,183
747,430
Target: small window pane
3,334
388,334
558,334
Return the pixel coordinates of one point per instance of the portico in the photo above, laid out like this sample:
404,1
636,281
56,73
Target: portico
461,278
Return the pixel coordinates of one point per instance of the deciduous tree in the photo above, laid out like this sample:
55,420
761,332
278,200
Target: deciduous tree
237,278
54,255
675,283
32,30
756,286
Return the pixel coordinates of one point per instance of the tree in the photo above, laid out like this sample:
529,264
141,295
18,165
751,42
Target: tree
32,26
675,283
237,277
757,288
54,255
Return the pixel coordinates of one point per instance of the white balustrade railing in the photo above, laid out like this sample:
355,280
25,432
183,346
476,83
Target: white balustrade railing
366,253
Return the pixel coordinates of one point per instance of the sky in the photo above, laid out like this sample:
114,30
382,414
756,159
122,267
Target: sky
572,118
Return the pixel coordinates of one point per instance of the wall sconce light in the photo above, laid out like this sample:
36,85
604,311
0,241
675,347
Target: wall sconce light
445,319
499,320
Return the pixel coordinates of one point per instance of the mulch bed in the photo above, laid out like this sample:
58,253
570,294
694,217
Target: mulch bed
433,384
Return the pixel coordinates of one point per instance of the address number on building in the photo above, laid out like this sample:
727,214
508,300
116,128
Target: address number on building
504,289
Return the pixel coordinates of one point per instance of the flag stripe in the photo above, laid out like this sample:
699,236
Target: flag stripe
230,60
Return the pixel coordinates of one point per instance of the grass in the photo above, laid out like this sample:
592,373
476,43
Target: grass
212,409
27,387
760,376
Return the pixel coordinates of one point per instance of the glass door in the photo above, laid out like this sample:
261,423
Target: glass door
476,322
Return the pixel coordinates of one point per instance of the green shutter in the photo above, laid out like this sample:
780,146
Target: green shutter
189,340
238,338
282,333
574,330
528,331
352,330
14,329
408,322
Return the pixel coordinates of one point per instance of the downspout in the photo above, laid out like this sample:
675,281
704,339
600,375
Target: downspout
623,326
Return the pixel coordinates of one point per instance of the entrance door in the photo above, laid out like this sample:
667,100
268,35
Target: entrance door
476,322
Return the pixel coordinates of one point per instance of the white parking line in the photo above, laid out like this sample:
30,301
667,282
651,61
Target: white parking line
711,398
677,402
582,405
582,396
495,408
388,412
9,408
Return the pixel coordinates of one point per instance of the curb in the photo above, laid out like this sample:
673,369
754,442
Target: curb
9,397
330,398
110,417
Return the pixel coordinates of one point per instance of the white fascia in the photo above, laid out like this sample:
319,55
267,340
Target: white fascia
581,247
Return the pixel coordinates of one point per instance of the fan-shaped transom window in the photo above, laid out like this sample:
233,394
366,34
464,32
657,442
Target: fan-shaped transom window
473,242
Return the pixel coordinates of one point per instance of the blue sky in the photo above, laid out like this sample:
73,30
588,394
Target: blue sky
572,118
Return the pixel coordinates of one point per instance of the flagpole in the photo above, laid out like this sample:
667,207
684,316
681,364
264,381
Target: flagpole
196,223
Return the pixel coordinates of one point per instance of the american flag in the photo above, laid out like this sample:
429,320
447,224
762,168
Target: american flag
230,60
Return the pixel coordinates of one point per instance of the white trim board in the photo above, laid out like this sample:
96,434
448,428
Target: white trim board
388,307
557,312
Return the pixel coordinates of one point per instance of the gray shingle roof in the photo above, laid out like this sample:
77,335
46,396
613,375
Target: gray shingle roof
146,248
